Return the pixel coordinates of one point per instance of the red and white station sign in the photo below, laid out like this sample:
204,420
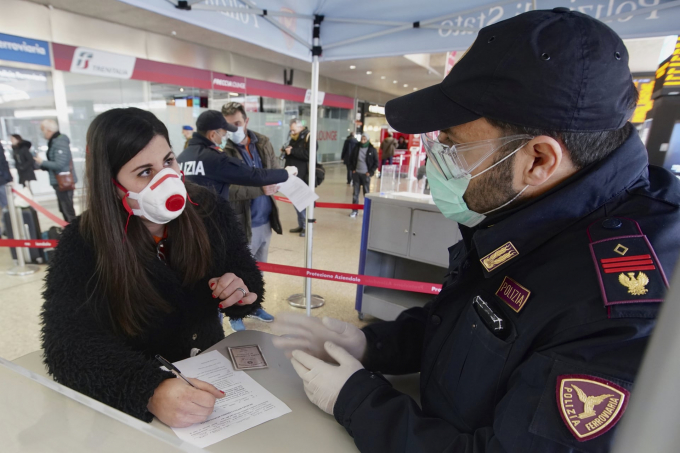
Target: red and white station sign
226,82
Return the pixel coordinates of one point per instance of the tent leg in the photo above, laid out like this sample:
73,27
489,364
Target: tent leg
312,183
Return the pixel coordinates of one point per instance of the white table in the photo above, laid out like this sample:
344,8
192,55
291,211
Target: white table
36,418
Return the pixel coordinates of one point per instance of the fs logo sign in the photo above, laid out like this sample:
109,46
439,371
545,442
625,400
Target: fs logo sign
84,58
105,64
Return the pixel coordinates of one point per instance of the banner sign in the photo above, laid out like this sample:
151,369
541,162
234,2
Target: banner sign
224,82
24,50
100,63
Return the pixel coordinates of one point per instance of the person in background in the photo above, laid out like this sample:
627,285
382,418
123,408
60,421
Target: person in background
59,160
188,132
387,147
364,163
5,177
402,143
144,271
23,160
254,207
297,154
347,148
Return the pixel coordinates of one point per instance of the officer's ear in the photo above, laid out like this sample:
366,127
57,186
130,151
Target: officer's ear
542,160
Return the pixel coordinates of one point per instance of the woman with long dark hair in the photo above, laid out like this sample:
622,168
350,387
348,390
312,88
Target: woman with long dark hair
23,160
143,271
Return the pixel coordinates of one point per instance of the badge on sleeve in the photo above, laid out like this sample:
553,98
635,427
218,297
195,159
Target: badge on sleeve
627,267
589,406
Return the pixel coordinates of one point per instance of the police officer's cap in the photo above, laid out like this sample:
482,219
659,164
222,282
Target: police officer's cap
555,70
211,120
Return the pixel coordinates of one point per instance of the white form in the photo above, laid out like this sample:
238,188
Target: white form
246,405
298,192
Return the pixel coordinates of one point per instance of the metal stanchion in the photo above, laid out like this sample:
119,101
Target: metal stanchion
17,231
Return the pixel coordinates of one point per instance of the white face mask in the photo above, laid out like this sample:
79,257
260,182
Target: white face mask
238,136
162,200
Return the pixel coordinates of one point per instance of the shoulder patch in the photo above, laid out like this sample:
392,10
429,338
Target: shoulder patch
589,406
627,267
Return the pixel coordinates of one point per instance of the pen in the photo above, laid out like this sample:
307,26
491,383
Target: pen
174,369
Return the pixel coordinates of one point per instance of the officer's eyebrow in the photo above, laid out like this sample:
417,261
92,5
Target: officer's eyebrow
141,167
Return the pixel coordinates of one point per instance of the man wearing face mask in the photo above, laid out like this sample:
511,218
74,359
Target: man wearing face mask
254,206
203,161
535,340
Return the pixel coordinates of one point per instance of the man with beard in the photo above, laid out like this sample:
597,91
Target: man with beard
535,340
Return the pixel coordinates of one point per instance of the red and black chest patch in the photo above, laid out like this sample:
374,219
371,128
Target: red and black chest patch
627,266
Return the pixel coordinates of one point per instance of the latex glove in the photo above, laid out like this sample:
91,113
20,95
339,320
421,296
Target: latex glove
292,171
322,380
309,334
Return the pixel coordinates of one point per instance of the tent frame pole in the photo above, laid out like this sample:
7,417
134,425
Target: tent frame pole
312,180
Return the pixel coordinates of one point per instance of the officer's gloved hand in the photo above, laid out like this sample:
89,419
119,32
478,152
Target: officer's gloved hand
309,334
324,381
292,171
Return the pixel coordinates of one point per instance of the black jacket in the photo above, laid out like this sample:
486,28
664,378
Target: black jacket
59,157
371,158
81,349
240,197
23,161
299,155
205,164
5,174
347,148
484,393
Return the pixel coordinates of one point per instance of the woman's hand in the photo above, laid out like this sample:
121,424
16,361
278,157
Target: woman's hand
231,290
179,405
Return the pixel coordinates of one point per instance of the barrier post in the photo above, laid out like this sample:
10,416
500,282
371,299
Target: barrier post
17,232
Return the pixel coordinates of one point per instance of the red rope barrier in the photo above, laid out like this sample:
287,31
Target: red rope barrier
321,204
365,280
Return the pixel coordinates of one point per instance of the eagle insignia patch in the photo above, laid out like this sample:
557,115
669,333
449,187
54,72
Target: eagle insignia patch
590,406
636,286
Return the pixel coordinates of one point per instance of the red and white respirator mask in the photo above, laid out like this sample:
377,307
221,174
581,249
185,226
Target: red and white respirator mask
161,201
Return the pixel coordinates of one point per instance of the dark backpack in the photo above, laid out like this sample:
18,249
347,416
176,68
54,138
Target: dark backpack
320,174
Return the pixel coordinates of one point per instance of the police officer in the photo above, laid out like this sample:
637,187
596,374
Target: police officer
535,340
203,161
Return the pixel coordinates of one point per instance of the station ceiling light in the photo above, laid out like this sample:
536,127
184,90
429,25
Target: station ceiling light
352,67
406,85
369,72
394,81
382,77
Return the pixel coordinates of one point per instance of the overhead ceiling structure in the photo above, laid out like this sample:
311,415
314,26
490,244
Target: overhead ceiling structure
409,74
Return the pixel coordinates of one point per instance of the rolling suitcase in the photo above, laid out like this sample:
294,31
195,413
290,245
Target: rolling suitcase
31,227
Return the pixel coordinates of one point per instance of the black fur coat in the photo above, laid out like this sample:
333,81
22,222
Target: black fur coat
83,352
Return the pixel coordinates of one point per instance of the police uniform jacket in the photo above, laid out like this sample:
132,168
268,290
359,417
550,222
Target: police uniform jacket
81,348
485,393
241,196
204,163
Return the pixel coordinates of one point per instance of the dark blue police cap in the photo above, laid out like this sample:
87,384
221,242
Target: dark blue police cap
555,70
211,120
